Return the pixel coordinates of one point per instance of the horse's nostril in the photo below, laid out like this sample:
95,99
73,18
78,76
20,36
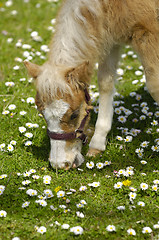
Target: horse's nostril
67,165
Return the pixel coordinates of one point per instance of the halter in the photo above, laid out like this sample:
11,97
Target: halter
78,133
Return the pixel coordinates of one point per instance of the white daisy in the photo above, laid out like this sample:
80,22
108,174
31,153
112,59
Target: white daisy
60,194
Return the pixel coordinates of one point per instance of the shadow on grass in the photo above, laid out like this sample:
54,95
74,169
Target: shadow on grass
119,153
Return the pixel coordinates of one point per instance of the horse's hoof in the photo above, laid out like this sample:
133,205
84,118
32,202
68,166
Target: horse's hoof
92,152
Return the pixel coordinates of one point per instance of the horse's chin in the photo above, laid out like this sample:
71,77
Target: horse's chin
79,159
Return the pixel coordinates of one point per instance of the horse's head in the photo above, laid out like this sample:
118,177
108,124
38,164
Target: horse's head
63,99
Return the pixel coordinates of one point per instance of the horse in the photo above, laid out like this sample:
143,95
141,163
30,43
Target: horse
90,31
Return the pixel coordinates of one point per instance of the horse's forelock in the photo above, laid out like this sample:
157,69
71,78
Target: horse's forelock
51,84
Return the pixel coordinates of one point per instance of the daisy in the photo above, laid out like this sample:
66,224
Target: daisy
140,203
120,71
128,139
13,142
99,165
26,174
116,103
107,163
94,184
35,125
60,194
144,186
9,84
35,177
121,208
65,226
26,182
144,144
43,203
110,228
155,188
132,94
12,107
16,67
2,146
157,114
130,53
156,181
47,177
142,117
118,185
80,214
22,129
22,113
41,230
117,111
133,189
90,165
149,114
154,123
138,97
5,112
28,143
8,3
10,148
79,205
83,202
155,148
1,191
26,204
146,230
30,100
156,226
31,192
122,119
143,162
119,138
82,188
143,104
139,150
132,195
45,181
138,73
3,213
29,125
26,46
48,193
140,155
44,48
32,171
131,232
28,135
2,187
76,230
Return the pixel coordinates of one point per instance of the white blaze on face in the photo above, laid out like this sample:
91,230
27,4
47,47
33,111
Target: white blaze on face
53,114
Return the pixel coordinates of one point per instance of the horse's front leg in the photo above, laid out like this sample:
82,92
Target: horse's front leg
106,75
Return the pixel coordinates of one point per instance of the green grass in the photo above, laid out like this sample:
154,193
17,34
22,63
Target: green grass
102,202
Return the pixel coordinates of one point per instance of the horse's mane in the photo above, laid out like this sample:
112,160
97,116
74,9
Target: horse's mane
75,40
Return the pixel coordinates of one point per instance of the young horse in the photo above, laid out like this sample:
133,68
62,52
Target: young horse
88,31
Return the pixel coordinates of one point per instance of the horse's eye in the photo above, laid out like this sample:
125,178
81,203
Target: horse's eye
74,114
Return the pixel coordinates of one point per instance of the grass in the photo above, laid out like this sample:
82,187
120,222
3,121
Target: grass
102,202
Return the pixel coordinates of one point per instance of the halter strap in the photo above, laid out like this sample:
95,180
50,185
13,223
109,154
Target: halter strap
78,133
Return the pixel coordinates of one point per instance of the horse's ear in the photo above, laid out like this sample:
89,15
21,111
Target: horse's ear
33,69
79,73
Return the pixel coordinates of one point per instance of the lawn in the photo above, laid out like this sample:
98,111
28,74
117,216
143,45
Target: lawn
113,196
